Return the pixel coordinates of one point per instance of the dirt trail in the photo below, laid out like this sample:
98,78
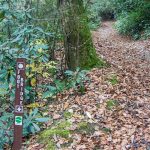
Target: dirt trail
130,61
131,58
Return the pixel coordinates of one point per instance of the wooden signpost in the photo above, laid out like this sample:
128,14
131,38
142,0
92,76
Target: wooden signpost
19,98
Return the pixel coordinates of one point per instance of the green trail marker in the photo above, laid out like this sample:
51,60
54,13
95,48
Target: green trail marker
18,120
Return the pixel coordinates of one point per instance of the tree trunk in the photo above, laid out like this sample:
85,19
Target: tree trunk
79,49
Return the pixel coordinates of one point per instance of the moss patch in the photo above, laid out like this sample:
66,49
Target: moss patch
46,137
85,128
68,115
113,79
106,130
110,104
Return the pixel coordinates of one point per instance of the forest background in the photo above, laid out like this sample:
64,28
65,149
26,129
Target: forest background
46,33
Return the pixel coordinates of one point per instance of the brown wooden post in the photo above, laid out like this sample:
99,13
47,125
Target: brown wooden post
19,97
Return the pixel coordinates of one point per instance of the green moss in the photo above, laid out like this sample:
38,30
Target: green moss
113,80
68,115
110,104
50,145
59,132
106,130
47,140
91,61
88,56
63,125
46,137
85,127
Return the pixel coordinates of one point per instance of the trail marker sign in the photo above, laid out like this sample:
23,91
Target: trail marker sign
18,120
19,97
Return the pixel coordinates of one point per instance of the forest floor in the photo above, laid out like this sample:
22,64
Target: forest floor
114,113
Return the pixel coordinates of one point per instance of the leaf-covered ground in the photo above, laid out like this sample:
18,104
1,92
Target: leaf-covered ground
114,113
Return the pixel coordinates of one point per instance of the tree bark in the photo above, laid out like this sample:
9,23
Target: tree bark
79,49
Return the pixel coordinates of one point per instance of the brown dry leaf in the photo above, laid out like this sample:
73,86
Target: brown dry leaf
80,147
56,116
77,100
66,105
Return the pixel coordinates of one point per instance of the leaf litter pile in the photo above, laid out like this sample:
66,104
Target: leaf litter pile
114,112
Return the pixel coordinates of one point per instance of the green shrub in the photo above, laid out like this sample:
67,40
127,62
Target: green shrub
134,22
146,34
125,6
129,24
93,15
106,9
99,10
6,129
72,79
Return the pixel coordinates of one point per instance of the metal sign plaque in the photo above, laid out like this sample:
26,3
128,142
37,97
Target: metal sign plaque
19,97
19,108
